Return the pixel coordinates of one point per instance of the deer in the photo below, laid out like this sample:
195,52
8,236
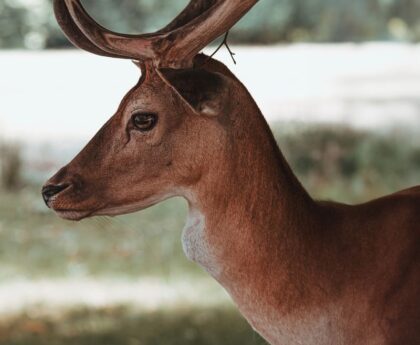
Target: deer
300,270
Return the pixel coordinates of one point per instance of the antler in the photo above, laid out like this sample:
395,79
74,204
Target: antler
200,23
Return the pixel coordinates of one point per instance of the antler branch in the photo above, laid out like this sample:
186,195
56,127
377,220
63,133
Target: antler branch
193,10
73,33
200,23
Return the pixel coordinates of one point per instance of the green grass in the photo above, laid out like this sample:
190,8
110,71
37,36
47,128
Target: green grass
36,243
124,326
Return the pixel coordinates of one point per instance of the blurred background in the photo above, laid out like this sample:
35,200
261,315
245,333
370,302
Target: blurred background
338,81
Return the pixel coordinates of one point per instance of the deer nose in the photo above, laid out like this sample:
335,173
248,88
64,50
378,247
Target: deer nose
50,190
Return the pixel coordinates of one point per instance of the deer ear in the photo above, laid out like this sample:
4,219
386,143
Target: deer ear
138,64
204,92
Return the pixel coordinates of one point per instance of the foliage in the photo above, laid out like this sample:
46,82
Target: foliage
123,326
130,246
333,163
10,166
30,24
351,166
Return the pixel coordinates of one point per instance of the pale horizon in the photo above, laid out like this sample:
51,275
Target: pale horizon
66,96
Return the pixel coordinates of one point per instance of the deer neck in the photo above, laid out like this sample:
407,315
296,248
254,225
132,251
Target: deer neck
247,215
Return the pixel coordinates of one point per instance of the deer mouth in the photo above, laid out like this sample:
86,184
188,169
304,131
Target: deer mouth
60,200
74,215
79,214
73,206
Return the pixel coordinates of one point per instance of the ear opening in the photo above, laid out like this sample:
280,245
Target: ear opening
202,91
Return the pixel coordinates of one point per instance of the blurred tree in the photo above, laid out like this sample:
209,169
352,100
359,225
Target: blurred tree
10,166
13,25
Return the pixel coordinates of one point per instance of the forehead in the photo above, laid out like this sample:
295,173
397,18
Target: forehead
149,94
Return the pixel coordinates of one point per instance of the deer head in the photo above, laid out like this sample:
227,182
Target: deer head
156,144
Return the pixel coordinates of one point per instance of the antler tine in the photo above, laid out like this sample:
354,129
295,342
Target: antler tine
193,10
201,22
73,33
138,47
86,38
217,19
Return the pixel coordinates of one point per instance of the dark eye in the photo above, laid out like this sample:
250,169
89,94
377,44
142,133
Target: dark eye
144,121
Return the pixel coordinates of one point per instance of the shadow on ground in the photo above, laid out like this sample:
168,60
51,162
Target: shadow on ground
123,326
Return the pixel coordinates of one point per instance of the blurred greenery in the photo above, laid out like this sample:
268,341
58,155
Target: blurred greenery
348,165
10,166
332,162
124,326
31,24
129,246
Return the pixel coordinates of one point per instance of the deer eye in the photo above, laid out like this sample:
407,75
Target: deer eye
144,121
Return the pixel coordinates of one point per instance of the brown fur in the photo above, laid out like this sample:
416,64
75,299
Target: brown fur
301,271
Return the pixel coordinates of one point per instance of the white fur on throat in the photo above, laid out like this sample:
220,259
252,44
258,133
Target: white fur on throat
195,243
